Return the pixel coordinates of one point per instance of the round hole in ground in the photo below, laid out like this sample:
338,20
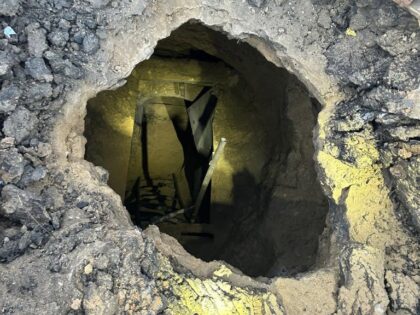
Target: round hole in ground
263,209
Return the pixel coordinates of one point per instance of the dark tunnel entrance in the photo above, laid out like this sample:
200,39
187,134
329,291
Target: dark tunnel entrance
191,121
263,210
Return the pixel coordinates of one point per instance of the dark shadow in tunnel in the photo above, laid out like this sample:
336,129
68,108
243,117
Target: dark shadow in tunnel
234,228
144,153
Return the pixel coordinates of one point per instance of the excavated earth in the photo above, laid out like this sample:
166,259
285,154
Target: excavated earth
67,245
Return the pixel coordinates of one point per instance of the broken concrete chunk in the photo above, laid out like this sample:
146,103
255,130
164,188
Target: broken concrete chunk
405,133
324,19
98,3
5,63
7,143
39,92
38,173
12,165
9,7
37,41
405,43
404,291
9,98
403,73
20,124
257,3
22,206
90,43
58,37
38,70
101,174
43,149
358,22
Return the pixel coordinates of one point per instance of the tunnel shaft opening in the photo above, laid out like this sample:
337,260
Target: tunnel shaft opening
263,210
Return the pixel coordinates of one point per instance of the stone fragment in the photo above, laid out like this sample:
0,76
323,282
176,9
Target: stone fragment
403,3
257,3
38,70
75,304
406,174
324,19
43,149
404,292
22,206
20,124
38,173
386,17
12,165
88,269
37,41
351,62
5,63
405,132
7,143
9,7
405,43
90,43
99,300
60,4
358,22
9,98
403,73
39,92
59,65
98,3
58,37
71,71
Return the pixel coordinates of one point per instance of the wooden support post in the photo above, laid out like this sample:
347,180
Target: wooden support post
208,177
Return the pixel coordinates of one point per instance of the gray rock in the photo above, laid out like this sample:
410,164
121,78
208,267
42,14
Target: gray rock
64,24
386,16
39,92
37,41
38,70
39,173
354,122
90,43
60,4
350,61
12,164
405,43
58,37
7,143
9,98
9,7
324,19
404,293
5,63
61,66
358,22
403,73
101,174
22,206
20,124
71,71
43,149
257,3
405,174
78,37
98,3
404,133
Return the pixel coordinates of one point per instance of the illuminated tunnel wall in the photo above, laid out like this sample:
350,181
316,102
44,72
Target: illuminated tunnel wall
267,208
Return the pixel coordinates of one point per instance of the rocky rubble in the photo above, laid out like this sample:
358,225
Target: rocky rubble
66,244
